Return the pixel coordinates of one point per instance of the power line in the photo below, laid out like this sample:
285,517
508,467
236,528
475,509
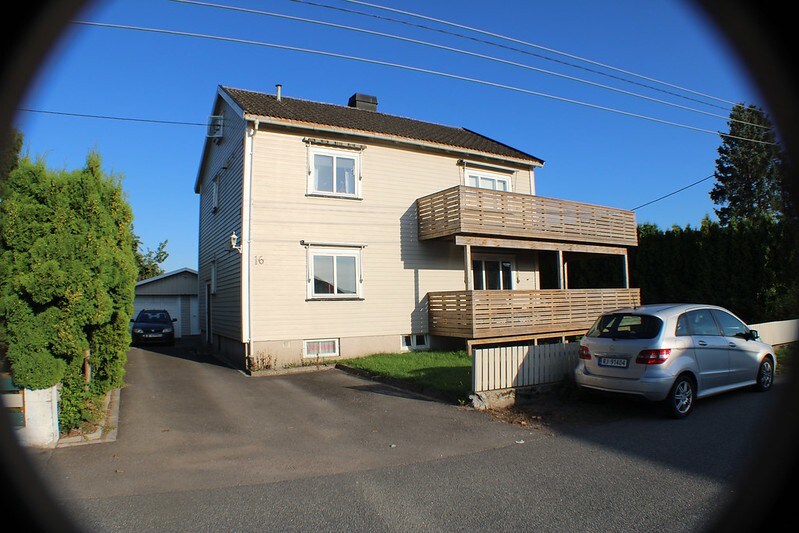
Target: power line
459,51
110,117
183,123
415,69
538,46
673,193
514,49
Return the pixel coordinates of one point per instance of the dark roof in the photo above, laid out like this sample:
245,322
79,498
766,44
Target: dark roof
267,105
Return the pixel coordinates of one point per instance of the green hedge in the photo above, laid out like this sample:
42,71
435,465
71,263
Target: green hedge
67,279
749,267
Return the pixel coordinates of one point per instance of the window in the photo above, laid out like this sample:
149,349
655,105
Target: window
215,194
626,326
730,326
334,273
334,172
321,348
492,274
416,341
700,322
488,181
213,277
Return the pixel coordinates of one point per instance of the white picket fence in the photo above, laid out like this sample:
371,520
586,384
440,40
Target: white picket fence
507,367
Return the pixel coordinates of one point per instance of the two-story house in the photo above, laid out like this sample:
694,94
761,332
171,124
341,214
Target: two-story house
339,231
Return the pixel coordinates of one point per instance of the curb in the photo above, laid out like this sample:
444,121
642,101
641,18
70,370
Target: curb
106,432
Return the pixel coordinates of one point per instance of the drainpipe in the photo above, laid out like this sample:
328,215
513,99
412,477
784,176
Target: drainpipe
246,237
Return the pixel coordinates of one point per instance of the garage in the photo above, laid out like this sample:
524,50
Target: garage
176,292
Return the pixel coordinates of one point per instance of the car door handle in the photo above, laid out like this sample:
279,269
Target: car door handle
732,344
702,343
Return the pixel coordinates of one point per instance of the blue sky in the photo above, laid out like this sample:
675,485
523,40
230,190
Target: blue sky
592,155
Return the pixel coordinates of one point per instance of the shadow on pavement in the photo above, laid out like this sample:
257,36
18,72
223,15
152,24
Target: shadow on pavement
189,348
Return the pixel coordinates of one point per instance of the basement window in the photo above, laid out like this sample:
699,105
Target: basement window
321,348
415,341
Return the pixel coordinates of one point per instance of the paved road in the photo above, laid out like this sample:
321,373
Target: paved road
202,447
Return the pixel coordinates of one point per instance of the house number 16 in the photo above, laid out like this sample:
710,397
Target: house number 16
259,260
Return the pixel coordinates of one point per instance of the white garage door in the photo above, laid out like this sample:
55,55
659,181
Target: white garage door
170,303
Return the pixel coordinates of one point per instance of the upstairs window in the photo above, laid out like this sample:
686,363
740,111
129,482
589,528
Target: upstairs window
334,173
488,181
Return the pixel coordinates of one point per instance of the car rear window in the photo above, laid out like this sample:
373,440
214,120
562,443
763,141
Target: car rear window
626,326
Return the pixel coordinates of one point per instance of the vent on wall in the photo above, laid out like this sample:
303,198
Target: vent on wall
215,123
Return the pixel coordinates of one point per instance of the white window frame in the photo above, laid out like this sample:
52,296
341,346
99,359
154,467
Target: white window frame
414,345
313,151
498,258
215,194
356,252
306,354
480,175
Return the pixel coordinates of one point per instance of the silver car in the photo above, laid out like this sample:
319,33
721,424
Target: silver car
673,354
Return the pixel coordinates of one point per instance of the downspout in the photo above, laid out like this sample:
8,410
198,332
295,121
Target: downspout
246,229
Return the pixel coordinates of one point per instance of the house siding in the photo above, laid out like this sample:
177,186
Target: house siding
398,270
224,160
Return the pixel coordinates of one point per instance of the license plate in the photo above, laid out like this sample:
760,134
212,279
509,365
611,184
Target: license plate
153,335
613,361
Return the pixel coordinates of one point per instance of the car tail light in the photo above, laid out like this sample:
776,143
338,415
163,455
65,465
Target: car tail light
584,352
653,357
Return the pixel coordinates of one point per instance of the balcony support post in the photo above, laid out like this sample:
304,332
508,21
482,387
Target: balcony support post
563,272
467,267
626,270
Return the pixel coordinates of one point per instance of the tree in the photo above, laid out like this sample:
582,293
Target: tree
67,278
149,262
9,157
749,170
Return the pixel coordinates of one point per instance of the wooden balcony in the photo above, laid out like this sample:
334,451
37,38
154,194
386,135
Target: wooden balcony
486,314
464,210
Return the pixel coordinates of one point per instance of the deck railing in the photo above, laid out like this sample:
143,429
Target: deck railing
464,210
486,314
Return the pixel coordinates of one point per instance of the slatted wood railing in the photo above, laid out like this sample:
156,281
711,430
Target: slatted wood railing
467,210
486,314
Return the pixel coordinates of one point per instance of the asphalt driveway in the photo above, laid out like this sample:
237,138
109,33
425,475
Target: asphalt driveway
188,422
203,447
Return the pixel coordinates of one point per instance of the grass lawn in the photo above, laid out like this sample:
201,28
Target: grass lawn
449,373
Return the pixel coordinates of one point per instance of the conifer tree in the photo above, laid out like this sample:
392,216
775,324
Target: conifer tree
67,278
749,169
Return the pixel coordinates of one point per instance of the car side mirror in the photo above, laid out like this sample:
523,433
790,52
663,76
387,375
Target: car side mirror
133,320
174,320
753,334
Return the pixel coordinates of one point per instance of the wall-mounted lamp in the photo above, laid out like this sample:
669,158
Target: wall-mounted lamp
234,239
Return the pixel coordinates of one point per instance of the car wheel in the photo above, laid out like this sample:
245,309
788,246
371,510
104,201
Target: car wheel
680,401
765,375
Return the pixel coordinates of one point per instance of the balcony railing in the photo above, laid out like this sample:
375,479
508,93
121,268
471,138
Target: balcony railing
464,210
485,314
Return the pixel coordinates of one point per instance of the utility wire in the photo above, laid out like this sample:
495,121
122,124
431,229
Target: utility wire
459,51
514,49
109,117
413,69
673,193
538,46
182,123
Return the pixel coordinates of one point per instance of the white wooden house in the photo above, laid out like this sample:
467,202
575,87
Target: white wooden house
339,231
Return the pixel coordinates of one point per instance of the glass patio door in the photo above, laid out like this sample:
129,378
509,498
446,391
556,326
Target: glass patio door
492,274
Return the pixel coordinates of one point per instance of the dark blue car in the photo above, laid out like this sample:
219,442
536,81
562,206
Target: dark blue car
153,326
